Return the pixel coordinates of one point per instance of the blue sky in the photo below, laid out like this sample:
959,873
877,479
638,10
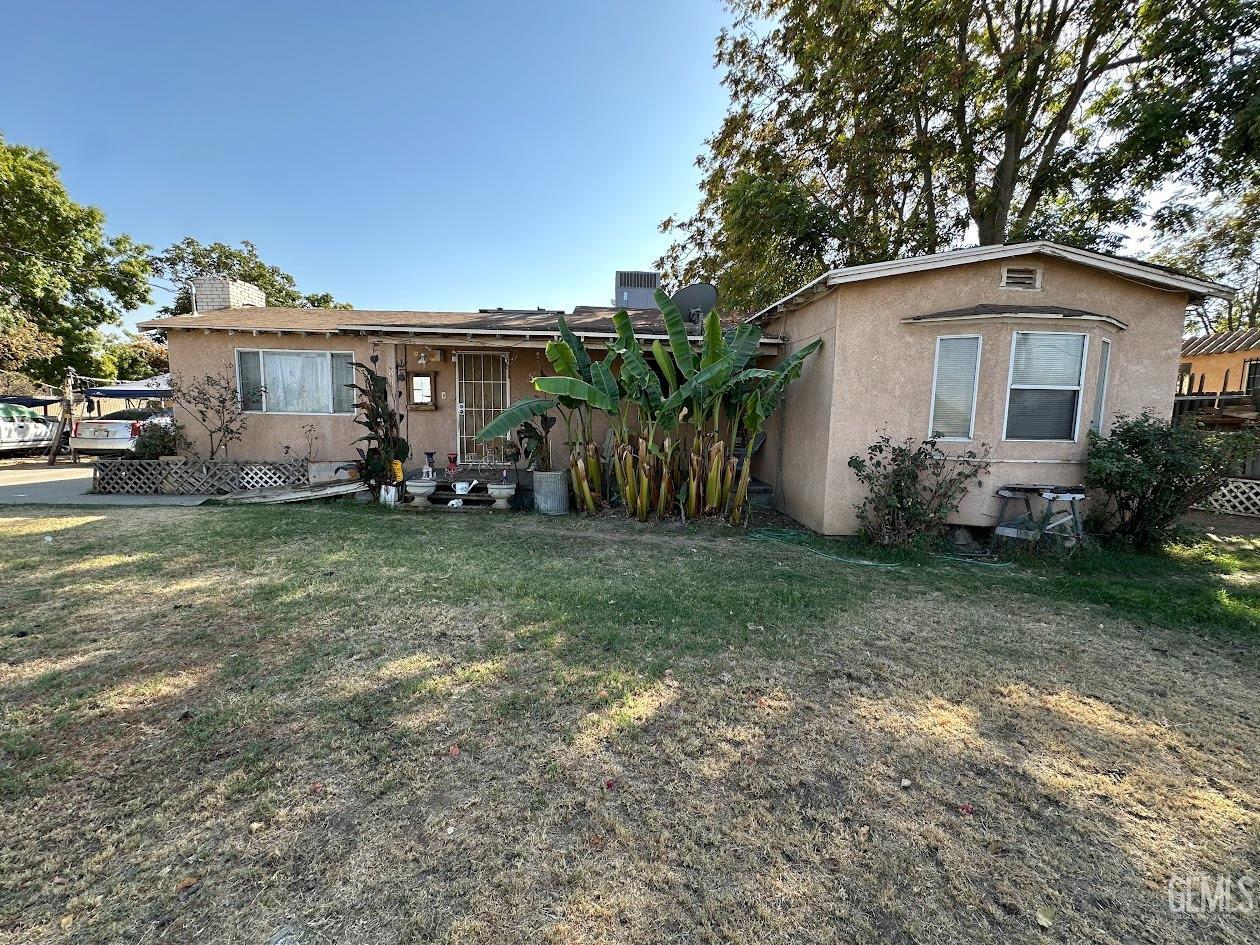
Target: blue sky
437,155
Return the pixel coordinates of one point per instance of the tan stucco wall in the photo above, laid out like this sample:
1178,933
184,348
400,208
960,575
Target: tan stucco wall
197,353
1209,370
875,374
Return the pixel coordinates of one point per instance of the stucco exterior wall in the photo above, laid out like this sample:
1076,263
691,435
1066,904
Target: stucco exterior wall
194,354
878,377
797,452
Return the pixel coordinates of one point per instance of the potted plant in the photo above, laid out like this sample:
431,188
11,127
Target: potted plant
551,486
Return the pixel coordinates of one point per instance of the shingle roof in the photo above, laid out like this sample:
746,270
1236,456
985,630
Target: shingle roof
584,319
1221,342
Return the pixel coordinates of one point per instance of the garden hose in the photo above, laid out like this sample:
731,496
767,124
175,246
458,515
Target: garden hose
788,536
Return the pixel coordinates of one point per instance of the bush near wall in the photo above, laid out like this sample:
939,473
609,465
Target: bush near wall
1151,472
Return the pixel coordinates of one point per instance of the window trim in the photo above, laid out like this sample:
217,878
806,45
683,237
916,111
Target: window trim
411,390
1037,287
975,391
1078,387
1097,421
263,375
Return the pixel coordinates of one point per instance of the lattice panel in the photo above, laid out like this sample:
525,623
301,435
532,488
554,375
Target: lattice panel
1236,497
154,477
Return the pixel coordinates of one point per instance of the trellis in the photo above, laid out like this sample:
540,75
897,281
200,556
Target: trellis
1235,497
193,477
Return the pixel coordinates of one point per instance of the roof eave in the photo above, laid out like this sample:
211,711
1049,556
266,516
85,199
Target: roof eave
1197,289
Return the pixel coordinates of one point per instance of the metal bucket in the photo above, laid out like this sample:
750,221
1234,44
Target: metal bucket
551,492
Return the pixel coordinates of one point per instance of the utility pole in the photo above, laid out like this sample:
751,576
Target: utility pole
67,407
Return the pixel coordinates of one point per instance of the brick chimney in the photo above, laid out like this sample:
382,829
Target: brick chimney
215,292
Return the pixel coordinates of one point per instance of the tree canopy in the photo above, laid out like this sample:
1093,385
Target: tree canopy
187,258
864,130
61,276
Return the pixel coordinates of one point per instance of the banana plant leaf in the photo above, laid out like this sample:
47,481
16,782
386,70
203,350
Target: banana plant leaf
666,364
574,388
603,380
642,381
525,409
676,328
581,357
700,386
742,345
562,358
714,344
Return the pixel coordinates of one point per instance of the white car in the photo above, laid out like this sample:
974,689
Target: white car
113,433
22,430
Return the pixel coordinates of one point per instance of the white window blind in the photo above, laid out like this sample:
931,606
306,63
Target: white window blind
1047,368
954,387
1100,395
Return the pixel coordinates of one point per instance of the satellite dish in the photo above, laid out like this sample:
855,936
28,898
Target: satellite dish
695,301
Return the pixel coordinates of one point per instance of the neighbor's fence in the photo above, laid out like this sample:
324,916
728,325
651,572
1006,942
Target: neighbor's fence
192,477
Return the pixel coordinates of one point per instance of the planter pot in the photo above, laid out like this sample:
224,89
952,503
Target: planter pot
501,492
551,492
421,489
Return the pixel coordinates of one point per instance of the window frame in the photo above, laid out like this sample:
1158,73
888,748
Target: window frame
1251,375
975,390
1079,387
262,373
1099,418
411,390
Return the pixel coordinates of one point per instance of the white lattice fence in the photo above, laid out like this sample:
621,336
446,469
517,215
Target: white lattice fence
1236,497
192,477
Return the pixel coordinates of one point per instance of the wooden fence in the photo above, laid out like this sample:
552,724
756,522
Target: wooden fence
192,477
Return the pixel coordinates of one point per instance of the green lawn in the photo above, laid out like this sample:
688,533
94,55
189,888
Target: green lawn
341,724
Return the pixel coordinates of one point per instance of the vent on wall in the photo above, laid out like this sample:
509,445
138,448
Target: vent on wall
1021,277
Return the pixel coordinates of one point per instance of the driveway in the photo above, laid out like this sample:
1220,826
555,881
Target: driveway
32,482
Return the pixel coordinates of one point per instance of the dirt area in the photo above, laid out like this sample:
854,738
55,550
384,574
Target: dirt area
334,724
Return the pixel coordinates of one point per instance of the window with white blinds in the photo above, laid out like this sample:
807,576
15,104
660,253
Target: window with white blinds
954,387
1100,395
1044,395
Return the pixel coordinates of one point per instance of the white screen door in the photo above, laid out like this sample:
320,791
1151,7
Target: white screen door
483,395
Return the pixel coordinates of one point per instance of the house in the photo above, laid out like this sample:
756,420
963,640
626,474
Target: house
1226,362
1020,348
456,370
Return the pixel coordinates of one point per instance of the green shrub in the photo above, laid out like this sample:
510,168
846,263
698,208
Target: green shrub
1152,472
159,439
913,488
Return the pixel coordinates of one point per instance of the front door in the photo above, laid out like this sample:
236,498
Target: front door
481,383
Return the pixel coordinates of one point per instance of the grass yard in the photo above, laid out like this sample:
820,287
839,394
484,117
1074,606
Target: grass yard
334,724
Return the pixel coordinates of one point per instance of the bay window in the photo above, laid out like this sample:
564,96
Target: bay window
300,382
1043,397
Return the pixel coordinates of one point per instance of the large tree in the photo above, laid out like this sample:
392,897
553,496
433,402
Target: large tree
59,272
1218,239
187,258
862,130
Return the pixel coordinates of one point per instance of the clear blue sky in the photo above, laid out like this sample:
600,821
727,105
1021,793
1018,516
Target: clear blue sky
441,155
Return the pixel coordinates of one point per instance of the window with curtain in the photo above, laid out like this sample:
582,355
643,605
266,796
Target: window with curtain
295,381
954,387
1047,369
